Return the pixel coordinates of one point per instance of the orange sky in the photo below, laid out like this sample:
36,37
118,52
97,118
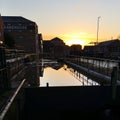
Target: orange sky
74,21
70,38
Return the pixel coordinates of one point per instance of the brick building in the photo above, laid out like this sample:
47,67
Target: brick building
55,48
75,49
24,32
109,49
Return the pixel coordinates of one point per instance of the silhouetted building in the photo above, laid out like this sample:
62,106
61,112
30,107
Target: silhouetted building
109,49
60,49
88,50
40,45
1,30
47,49
3,69
55,48
23,31
75,49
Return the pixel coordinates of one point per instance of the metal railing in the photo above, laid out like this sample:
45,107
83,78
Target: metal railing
12,63
8,103
103,66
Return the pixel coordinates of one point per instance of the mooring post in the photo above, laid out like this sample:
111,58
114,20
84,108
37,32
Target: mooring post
47,84
113,82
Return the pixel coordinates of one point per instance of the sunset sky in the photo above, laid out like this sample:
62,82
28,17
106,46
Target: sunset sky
74,21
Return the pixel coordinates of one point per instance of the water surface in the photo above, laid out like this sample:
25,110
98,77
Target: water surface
62,75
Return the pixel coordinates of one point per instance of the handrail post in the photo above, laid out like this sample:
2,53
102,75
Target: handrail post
113,82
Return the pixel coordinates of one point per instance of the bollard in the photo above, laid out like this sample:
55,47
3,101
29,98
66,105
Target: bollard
47,84
113,82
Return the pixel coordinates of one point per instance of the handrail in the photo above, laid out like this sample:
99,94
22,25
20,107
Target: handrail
101,65
2,115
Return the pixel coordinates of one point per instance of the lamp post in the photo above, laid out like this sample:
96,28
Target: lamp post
98,28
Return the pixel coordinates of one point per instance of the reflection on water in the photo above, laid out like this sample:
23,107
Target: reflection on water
61,75
82,78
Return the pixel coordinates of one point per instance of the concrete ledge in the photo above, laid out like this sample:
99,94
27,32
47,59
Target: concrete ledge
71,100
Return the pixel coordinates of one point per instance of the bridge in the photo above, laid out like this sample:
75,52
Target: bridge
22,98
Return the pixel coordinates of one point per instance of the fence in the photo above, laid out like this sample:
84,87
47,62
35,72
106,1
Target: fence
103,66
12,67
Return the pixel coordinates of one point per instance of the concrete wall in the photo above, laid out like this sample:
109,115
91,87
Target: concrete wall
72,102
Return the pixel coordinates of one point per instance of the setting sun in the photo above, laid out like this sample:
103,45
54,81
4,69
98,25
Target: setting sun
81,38
75,41
70,38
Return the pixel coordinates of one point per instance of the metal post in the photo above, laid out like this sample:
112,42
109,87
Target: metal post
37,61
47,84
113,82
97,28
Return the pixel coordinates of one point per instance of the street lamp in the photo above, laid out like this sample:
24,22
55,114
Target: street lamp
98,28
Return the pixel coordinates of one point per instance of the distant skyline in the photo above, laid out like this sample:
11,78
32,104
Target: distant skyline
74,21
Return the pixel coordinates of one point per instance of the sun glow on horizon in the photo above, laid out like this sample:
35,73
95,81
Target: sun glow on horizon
81,38
75,41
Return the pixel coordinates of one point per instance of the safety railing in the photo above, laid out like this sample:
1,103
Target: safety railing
103,66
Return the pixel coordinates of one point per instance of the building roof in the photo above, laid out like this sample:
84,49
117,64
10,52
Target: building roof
109,42
57,41
15,19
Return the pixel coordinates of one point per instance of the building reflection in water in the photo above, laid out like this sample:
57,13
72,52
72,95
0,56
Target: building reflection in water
57,74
